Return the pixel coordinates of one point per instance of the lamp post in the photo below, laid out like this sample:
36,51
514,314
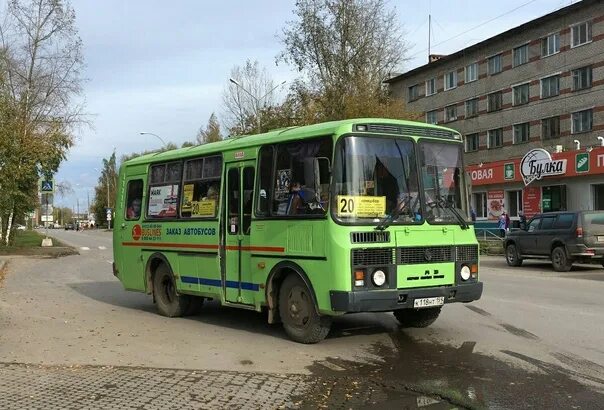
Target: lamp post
256,99
155,135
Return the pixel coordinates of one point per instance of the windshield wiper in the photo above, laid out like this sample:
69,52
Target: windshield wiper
447,205
396,212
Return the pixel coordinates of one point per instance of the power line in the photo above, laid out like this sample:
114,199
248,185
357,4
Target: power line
475,27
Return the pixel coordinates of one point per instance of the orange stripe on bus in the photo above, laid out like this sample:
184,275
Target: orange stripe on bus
203,246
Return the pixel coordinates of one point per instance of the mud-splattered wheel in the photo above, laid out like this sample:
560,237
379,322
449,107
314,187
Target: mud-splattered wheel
300,319
169,302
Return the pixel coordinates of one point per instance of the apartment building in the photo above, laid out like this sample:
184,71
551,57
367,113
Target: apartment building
530,104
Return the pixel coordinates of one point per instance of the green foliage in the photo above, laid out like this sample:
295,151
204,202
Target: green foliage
40,73
106,189
211,133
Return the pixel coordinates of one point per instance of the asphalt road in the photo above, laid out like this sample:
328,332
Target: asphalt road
535,339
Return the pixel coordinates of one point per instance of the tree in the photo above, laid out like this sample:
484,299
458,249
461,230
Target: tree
211,133
40,76
345,49
253,92
106,190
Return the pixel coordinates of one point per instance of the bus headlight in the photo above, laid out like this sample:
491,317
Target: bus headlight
378,278
465,272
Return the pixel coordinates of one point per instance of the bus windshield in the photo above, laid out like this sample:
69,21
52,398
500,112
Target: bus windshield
375,178
442,172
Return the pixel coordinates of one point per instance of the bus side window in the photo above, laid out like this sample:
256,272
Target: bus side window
248,192
265,181
233,204
134,199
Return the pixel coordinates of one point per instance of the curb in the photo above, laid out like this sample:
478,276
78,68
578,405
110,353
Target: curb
2,264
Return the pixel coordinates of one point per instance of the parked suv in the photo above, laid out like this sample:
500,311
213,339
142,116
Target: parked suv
563,237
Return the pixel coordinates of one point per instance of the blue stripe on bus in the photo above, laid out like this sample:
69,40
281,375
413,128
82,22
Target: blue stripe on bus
216,282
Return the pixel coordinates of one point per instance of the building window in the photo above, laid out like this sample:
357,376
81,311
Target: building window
550,128
582,121
598,197
495,65
479,202
414,92
495,101
521,55
431,86
471,72
472,108
432,117
472,142
520,94
550,45
514,203
553,198
495,138
450,80
580,34
450,113
522,132
581,78
550,86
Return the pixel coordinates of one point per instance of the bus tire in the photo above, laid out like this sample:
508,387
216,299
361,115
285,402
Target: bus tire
300,319
169,302
417,317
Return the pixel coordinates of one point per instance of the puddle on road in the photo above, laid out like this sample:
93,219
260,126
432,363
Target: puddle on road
415,374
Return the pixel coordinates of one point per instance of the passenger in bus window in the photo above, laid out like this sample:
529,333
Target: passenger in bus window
134,210
295,202
213,191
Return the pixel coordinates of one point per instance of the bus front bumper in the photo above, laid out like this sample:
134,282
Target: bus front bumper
388,300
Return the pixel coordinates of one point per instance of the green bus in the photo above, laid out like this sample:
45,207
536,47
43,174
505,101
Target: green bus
307,223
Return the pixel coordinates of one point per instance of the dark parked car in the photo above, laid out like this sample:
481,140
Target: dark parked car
563,237
69,226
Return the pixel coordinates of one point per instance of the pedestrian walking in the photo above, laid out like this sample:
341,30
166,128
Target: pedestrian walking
507,222
501,224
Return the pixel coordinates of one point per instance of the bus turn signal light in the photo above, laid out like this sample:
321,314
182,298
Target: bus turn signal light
474,268
359,278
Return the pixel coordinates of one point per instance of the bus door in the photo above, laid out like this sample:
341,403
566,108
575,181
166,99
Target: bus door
128,224
237,276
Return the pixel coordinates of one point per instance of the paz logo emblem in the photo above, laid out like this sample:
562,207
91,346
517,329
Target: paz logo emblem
538,163
582,162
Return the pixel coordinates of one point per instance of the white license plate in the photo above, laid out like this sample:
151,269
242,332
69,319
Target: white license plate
600,238
428,302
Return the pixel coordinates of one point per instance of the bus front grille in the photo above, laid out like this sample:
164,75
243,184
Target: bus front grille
370,237
414,255
424,254
373,257
466,253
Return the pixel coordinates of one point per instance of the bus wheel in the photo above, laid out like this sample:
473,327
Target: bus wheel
300,319
417,317
169,302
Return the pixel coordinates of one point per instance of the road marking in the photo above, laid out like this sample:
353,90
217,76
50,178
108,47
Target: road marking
102,248
84,248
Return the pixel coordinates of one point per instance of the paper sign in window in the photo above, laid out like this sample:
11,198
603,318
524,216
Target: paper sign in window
203,208
361,206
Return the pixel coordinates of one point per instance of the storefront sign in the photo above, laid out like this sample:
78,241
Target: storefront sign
495,203
531,200
508,171
538,163
582,162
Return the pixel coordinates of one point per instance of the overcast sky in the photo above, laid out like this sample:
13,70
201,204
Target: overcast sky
160,66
